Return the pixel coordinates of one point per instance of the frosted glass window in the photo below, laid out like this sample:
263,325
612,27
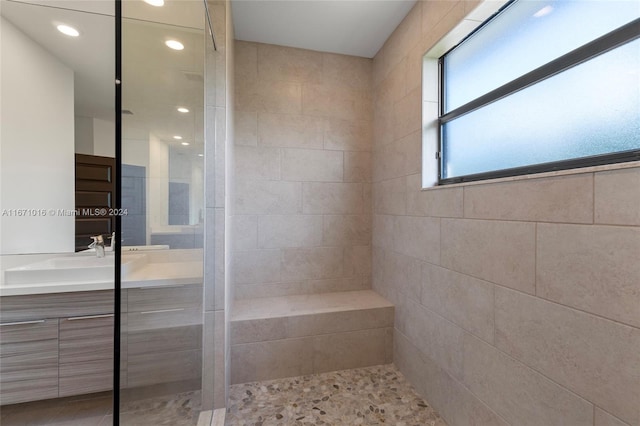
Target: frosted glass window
599,113
524,36
543,85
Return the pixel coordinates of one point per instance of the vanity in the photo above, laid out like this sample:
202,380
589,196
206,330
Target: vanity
57,324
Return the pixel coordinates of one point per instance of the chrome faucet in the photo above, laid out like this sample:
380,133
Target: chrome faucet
98,245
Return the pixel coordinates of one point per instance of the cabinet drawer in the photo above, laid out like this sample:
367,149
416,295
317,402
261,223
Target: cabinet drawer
163,319
87,338
147,299
56,305
86,377
165,340
28,361
86,354
151,369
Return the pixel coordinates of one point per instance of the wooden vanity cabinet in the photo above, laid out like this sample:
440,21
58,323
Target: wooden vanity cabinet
55,345
58,345
164,334
28,360
86,354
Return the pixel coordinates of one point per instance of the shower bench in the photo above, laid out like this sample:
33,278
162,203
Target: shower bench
287,336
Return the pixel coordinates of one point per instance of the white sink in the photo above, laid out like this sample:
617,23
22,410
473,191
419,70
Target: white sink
72,269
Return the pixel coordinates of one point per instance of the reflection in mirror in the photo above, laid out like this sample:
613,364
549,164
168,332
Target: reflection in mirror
57,143
163,140
57,100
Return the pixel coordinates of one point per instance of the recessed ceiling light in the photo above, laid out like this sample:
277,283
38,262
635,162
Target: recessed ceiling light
200,155
156,3
67,30
185,143
174,44
176,137
183,110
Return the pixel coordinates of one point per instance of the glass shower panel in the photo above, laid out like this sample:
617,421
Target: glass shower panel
163,198
57,187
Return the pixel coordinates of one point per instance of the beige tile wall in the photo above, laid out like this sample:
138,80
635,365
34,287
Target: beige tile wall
516,302
303,140
218,133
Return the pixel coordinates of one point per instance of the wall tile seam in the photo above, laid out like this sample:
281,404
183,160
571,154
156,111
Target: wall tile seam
423,31
259,145
310,336
535,263
518,362
573,308
451,322
597,407
502,286
597,170
455,379
537,221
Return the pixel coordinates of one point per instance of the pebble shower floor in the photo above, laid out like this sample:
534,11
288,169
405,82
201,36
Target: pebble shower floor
377,395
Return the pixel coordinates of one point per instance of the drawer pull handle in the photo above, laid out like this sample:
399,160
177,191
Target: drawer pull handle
162,311
154,287
90,317
22,323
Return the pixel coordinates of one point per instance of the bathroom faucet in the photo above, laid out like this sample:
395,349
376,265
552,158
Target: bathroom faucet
98,244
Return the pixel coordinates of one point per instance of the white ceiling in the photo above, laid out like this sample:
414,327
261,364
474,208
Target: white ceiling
350,27
91,56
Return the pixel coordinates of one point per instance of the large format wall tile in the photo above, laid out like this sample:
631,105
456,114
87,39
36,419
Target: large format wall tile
408,114
347,135
462,299
617,197
418,237
436,202
557,199
289,231
343,70
245,128
390,197
500,252
288,64
332,198
352,349
245,232
451,399
346,230
271,360
257,162
516,392
312,263
256,266
593,268
439,339
312,165
594,357
336,102
275,97
398,272
605,419
399,158
268,197
357,167
287,130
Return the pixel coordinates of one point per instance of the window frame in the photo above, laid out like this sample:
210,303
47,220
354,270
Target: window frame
616,38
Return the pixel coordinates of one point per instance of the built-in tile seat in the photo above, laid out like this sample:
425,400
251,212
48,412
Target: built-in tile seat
286,336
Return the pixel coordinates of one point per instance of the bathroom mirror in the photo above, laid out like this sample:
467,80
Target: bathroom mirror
49,117
58,100
163,130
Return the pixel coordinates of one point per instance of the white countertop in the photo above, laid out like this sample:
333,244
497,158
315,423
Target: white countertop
156,272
